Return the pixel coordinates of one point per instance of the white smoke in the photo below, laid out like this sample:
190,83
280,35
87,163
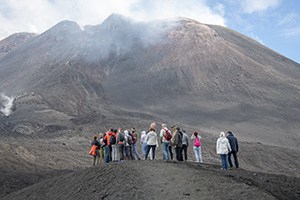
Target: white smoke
6,104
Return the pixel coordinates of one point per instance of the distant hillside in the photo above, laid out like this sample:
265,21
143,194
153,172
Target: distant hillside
10,43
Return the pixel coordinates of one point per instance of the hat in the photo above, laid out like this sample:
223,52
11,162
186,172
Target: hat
164,125
222,134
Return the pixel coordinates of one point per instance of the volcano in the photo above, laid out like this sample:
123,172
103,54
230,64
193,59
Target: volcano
69,83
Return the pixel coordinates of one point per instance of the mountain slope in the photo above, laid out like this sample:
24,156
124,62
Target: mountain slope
204,76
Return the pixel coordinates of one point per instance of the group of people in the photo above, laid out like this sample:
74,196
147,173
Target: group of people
117,145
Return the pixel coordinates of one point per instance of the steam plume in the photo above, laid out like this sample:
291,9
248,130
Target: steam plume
6,104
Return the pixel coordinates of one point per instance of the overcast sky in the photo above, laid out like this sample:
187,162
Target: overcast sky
275,23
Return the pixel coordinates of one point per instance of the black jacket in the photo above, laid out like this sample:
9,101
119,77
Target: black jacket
233,142
97,143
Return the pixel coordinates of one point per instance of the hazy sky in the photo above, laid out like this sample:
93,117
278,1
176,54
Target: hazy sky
275,23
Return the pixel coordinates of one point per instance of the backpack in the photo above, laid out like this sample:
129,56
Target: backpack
133,137
168,135
129,140
197,142
112,139
121,137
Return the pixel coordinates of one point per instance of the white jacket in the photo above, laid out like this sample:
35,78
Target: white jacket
223,146
151,138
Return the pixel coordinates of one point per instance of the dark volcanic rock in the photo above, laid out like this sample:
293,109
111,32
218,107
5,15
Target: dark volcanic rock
161,180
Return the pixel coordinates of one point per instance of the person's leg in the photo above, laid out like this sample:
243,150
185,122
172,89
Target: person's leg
164,150
153,152
236,162
106,154
225,159
97,156
229,160
144,149
200,154
171,152
115,152
168,151
94,162
147,152
110,153
185,152
222,161
135,153
196,153
131,154
180,154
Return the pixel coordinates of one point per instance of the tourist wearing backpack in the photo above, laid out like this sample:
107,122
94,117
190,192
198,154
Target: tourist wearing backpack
120,144
144,143
95,146
178,144
128,142
196,139
223,148
151,143
108,139
134,141
234,149
185,144
165,137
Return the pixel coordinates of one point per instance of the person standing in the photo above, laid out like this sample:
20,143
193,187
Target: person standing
113,143
95,150
196,138
108,149
151,143
128,142
234,149
178,144
134,141
165,137
185,144
223,147
120,144
102,145
144,143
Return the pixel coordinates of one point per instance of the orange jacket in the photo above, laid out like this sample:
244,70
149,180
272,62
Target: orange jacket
107,137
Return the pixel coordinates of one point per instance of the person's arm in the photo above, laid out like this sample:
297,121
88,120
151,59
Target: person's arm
237,146
228,146
187,140
217,146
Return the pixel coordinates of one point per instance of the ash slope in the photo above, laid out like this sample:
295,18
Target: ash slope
206,76
151,180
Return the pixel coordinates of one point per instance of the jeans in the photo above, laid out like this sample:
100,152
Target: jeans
121,151
170,151
165,150
134,152
106,154
178,153
236,163
198,154
144,149
153,151
224,161
184,149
